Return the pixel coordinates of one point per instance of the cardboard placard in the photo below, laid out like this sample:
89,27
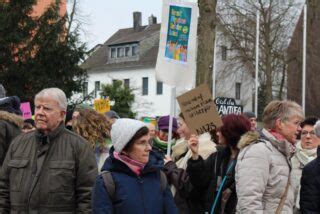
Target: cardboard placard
101,105
199,110
26,110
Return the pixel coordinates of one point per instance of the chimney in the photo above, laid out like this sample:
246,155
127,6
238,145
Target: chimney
136,21
152,20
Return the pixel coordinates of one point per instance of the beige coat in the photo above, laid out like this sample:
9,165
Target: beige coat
262,173
206,148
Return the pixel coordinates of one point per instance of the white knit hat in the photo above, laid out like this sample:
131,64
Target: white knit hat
122,132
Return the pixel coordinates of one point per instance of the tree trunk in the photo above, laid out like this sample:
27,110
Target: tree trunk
206,37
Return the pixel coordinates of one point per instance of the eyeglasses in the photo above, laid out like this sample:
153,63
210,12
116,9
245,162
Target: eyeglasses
305,133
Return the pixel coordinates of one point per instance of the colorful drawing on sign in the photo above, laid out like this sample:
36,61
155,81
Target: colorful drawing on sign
178,33
26,110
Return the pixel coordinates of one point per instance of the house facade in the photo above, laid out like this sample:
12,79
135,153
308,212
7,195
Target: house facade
130,55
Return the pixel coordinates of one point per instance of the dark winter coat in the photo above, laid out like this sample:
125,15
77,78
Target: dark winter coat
187,199
47,174
134,194
310,187
205,176
10,127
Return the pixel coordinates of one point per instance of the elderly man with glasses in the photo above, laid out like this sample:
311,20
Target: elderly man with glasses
306,151
50,169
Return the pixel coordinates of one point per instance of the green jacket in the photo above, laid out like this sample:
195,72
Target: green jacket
47,174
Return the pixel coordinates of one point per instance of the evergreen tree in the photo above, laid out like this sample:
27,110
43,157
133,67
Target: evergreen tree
48,56
123,97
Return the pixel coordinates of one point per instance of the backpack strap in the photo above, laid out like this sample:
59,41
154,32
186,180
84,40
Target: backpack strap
163,181
111,187
109,184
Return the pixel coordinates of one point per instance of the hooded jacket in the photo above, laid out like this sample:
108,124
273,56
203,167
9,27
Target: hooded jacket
262,174
133,194
10,127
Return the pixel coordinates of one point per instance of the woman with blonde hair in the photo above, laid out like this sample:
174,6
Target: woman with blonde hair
95,128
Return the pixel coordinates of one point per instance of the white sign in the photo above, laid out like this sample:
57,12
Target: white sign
176,62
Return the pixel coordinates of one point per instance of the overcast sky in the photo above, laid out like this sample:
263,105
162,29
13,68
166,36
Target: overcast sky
103,18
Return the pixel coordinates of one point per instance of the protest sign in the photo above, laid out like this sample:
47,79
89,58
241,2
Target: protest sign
199,110
26,110
227,105
101,105
176,61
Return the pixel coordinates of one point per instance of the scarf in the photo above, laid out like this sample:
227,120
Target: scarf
163,145
305,155
134,165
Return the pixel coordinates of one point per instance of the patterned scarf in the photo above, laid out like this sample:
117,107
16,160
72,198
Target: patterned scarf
163,145
134,165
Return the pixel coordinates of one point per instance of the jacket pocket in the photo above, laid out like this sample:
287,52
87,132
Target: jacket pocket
61,176
18,168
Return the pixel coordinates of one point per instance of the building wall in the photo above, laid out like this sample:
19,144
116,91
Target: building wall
312,64
145,105
228,73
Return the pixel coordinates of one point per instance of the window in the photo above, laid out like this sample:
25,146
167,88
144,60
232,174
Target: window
120,52
159,88
85,89
126,83
113,53
238,90
124,51
127,51
96,88
224,53
135,50
145,86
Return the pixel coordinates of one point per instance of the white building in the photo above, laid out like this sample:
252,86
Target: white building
130,55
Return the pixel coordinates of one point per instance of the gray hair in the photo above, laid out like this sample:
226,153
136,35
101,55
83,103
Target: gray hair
282,110
317,128
56,94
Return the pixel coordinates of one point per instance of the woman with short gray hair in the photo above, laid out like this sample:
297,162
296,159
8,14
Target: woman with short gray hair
263,168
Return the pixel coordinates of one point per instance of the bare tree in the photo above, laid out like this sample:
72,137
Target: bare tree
237,20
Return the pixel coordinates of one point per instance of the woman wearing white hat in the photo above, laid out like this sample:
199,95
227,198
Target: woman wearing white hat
136,184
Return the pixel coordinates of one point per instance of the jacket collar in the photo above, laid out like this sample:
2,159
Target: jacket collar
42,138
112,164
282,146
252,137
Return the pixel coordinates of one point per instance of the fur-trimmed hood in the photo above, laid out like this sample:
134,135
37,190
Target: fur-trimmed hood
12,118
248,138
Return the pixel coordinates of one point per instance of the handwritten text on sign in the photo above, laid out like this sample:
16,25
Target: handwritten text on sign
199,110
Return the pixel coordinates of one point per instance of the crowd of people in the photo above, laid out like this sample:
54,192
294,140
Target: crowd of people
82,161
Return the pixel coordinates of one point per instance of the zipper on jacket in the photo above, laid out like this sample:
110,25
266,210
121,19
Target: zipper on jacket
141,191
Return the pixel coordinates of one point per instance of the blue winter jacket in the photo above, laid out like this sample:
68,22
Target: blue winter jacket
134,194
